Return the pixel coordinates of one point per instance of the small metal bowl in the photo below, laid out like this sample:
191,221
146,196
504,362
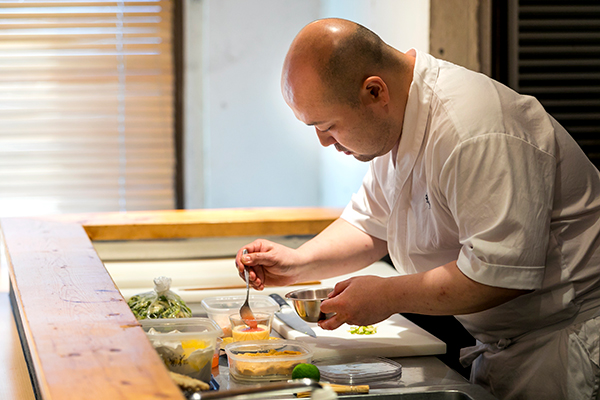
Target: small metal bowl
307,303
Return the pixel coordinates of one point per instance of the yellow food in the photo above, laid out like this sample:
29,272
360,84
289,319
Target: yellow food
271,353
274,367
189,346
227,340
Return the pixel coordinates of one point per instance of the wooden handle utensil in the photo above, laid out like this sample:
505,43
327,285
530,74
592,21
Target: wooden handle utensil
341,389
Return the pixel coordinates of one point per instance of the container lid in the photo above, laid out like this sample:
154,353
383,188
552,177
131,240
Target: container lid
358,370
224,304
257,348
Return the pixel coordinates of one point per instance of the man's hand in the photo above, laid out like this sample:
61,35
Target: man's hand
356,302
339,249
270,263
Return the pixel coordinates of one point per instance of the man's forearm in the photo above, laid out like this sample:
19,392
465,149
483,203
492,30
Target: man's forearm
339,249
444,291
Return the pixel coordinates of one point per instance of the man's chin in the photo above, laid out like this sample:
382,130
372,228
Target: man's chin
363,158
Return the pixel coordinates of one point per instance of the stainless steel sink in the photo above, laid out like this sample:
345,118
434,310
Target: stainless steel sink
428,395
450,392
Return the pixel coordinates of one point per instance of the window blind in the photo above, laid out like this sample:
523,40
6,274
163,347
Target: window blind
86,106
554,55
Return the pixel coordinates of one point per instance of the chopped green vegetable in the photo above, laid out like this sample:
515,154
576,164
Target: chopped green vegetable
363,330
159,303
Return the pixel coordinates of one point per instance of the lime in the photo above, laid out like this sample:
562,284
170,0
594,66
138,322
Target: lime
306,371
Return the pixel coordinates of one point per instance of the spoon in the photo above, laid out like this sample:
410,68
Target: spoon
245,311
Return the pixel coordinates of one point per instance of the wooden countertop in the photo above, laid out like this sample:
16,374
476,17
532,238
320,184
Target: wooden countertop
81,337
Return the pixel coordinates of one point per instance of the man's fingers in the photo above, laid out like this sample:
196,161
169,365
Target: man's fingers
339,288
259,278
331,323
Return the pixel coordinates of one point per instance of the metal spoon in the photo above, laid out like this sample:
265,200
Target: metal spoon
245,311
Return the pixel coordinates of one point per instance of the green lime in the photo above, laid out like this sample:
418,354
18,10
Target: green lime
306,371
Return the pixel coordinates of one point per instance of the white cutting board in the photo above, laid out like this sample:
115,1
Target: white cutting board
395,337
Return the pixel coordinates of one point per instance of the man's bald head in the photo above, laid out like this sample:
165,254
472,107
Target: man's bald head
341,53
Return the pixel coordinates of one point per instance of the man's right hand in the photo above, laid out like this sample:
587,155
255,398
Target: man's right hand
269,264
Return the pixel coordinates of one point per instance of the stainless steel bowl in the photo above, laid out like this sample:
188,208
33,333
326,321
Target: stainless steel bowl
307,303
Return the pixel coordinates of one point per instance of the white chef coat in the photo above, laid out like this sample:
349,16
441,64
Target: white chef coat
485,176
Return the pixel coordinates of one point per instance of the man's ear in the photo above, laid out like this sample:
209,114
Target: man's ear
374,90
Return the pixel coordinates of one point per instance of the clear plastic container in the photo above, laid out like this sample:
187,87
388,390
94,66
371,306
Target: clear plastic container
220,308
241,329
186,345
358,370
266,360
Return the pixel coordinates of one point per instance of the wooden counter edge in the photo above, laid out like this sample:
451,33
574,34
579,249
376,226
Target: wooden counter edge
203,223
78,334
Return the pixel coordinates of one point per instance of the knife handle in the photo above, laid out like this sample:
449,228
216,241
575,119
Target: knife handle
280,300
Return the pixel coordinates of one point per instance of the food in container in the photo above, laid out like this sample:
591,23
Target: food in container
265,360
257,329
159,303
215,360
185,345
220,308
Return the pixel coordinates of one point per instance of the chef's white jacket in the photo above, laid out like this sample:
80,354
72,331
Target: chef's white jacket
485,176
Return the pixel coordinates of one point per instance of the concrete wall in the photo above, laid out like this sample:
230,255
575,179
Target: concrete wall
243,146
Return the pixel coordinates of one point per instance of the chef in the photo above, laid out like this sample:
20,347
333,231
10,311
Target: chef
487,207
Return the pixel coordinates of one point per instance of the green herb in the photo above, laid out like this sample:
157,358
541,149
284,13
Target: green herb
152,305
363,330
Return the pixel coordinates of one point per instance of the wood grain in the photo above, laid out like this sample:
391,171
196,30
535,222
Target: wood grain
177,224
83,340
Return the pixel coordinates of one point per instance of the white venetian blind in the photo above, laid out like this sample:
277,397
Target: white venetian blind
86,106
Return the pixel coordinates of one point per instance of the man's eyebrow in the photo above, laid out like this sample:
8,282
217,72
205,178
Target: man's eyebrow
316,123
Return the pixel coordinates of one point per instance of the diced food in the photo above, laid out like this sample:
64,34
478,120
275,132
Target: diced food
159,303
363,330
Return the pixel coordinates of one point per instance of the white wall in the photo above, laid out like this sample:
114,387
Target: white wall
243,146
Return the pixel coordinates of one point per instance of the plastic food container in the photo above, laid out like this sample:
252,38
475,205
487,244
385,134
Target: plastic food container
220,308
186,345
265,360
358,370
240,330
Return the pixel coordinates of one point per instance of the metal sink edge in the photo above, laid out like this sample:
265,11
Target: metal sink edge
442,392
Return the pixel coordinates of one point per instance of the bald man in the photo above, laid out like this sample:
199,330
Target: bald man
487,207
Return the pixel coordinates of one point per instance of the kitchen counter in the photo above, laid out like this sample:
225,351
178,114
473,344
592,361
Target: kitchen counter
80,335
417,372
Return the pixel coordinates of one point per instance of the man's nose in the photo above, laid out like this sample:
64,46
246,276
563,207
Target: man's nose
325,138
